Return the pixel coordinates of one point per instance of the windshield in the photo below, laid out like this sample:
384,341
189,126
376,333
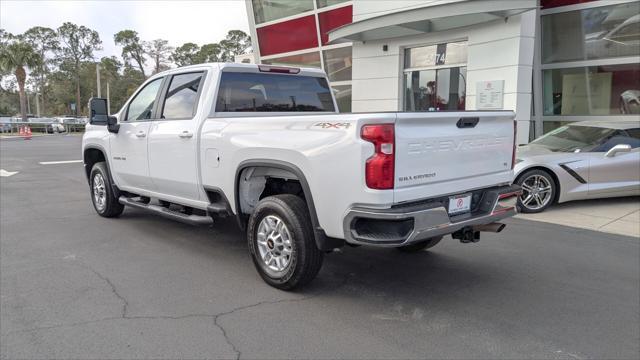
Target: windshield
574,138
273,93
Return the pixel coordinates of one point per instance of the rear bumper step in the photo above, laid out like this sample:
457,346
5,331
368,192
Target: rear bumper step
165,212
402,226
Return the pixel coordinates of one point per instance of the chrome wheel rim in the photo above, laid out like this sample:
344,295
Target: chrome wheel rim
99,192
274,244
536,192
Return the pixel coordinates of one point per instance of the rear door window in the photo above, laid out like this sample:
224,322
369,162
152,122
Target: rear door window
273,93
182,96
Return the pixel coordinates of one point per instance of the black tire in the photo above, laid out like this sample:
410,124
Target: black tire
534,205
304,259
109,207
420,246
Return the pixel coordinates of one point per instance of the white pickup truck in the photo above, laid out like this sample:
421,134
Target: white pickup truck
267,146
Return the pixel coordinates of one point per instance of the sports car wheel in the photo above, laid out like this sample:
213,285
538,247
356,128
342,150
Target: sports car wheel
538,191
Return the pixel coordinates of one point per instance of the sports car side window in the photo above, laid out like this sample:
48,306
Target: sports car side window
620,137
634,133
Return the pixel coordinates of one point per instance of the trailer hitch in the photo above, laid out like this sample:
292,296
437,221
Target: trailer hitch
467,235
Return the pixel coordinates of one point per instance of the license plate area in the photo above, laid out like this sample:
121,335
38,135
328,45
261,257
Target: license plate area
459,204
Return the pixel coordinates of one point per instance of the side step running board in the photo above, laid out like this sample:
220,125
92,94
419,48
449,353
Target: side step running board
218,209
162,211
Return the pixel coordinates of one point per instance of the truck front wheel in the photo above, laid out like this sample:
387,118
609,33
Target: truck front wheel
281,242
102,196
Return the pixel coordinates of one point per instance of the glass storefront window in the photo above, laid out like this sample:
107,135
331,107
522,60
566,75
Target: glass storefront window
593,90
268,10
435,90
311,59
337,63
343,97
436,55
593,33
332,19
286,36
324,3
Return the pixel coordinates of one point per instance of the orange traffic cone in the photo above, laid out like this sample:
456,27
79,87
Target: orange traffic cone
21,131
28,133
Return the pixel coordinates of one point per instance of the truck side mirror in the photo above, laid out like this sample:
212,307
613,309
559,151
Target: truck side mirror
620,148
98,113
112,124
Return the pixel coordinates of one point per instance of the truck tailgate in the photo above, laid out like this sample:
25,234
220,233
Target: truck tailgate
445,153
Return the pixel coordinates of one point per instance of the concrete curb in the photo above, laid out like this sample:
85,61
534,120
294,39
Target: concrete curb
619,216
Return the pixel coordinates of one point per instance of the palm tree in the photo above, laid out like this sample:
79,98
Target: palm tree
15,57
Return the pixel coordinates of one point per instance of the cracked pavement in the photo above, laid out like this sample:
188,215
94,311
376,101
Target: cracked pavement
74,285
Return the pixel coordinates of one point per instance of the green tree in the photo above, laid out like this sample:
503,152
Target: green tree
43,40
61,89
191,54
5,37
128,82
15,57
235,43
77,45
110,68
8,98
132,47
208,53
159,51
186,54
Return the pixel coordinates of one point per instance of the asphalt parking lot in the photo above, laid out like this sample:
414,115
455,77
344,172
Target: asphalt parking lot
75,285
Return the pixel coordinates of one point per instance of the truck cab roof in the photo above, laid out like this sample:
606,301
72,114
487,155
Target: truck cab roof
238,67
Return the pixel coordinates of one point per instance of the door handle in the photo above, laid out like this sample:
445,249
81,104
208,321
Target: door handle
141,134
186,135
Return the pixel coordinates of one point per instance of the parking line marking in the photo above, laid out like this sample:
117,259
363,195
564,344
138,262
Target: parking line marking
60,162
5,173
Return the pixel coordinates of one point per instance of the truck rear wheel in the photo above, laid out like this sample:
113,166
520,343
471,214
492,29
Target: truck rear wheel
420,246
281,242
102,196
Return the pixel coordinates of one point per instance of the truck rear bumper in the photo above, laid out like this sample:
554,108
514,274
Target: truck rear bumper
410,223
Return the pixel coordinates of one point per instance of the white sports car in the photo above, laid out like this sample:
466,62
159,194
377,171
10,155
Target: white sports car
583,160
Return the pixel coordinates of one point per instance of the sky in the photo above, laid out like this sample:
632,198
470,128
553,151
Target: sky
178,21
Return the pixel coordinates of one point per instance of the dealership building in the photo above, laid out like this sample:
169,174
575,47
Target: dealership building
550,61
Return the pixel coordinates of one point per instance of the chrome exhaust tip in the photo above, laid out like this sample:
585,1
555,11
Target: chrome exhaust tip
495,227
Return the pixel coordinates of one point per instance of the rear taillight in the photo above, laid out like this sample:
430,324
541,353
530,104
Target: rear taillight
515,142
278,69
379,169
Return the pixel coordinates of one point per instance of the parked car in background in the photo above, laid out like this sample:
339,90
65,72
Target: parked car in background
54,128
66,119
623,40
5,127
630,102
583,160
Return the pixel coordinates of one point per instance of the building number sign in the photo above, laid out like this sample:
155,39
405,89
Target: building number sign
441,54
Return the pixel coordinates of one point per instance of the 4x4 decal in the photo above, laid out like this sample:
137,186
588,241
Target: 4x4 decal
328,125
